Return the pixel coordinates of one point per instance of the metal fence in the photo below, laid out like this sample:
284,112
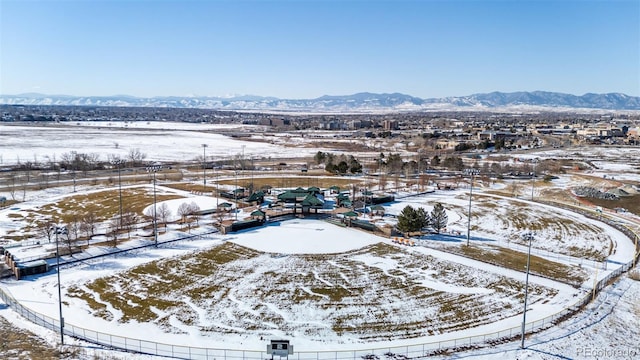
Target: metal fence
416,350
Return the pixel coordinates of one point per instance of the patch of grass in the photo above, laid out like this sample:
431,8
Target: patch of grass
104,204
631,203
515,260
335,294
19,344
323,182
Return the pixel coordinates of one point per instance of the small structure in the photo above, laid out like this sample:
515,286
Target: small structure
258,215
377,210
350,215
30,268
311,202
225,206
341,199
305,198
280,348
257,197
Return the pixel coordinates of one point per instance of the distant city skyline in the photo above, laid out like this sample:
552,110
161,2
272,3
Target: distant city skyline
306,49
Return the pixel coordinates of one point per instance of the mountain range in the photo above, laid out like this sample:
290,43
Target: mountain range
360,102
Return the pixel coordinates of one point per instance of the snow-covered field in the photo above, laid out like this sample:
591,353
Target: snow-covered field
248,308
325,287
160,141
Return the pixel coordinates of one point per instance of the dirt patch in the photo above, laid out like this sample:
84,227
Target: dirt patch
16,343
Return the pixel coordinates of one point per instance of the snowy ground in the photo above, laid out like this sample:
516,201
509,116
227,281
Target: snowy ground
160,141
610,323
288,239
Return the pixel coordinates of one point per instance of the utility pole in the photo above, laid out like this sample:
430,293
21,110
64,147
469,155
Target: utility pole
59,230
472,172
204,167
154,169
118,162
526,291
533,177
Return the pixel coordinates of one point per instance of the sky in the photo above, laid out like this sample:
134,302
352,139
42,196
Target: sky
306,49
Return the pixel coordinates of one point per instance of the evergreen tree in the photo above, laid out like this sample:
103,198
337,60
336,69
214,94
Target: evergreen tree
410,219
320,157
439,218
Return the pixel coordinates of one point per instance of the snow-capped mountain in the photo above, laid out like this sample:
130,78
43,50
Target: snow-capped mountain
360,102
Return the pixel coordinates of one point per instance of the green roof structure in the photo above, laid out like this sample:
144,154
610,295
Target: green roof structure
352,214
256,196
311,200
257,213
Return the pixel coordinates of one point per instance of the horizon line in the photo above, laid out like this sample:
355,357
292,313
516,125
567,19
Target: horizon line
37,94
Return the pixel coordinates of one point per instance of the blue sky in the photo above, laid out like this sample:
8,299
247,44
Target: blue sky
305,49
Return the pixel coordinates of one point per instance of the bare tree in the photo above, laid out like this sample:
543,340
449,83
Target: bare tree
47,228
25,182
183,211
163,214
88,225
74,226
150,213
136,157
12,186
129,221
114,228
194,209
220,214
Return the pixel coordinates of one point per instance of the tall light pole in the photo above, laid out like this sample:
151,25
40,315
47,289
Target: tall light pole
242,159
533,177
472,172
529,236
217,189
118,162
154,169
59,230
204,167
235,195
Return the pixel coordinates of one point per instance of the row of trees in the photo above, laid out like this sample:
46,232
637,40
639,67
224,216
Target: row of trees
413,220
81,227
338,164
78,161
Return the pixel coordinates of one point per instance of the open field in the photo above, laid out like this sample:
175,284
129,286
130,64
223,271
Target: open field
363,294
227,291
288,181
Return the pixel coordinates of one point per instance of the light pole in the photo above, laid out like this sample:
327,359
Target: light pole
154,169
59,230
118,162
204,167
242,159
533,177
472,172
529,236
217,189
235,195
